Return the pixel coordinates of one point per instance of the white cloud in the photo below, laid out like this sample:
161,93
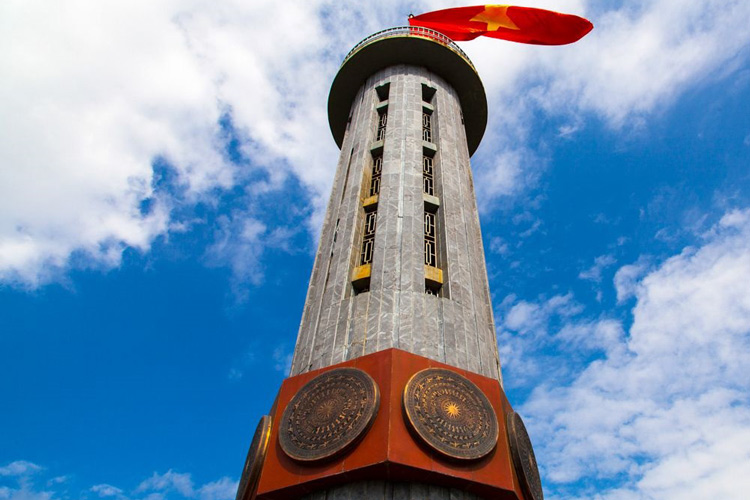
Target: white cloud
19,468
22,472
626,278
94,93
526,341
531,318
107,490
24,493
639,59
282,357
159,485
169,481
594,273
238,242
641,56
223,489
170,484
665,413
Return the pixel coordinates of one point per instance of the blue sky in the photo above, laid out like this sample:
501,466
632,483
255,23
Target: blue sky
164,168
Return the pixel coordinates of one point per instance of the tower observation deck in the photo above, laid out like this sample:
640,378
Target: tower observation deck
395,390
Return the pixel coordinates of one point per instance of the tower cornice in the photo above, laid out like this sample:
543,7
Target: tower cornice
414,46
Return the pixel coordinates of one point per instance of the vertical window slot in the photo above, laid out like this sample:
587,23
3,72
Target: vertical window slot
371,219
430,240
426,126
428,93
383,91
377,172
382,122
428,176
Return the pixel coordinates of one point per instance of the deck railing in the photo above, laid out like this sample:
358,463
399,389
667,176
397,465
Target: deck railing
410,31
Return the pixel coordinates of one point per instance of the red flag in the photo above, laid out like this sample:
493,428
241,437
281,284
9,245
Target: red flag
507,22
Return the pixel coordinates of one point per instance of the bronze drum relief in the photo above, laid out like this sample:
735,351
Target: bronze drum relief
329,414
523,457
450,414
254,461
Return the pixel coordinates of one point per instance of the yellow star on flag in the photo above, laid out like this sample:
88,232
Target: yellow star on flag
496,16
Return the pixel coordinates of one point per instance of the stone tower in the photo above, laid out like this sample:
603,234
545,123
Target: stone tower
398,302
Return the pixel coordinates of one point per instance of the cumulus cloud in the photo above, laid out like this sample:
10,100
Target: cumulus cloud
664,412
170,480
170,484
182,484
626,278
22,472
527,342
107,490
223,489
639,59
282,357
19,468
89,107
97,95
594,273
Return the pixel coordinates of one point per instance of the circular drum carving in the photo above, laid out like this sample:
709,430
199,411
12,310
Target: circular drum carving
329,414
451,414
523,457
254,461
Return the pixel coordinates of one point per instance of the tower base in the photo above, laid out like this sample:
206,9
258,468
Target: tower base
390,455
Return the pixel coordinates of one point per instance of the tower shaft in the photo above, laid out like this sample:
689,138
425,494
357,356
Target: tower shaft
404,175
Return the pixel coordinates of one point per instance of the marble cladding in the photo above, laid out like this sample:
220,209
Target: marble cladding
457,327
388,490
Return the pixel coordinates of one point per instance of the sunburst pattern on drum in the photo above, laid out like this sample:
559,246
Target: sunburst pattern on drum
329,413
450,414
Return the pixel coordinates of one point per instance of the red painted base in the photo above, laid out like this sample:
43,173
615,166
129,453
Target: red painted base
389,451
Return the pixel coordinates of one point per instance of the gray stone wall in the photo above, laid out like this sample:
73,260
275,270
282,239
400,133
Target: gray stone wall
385,490
457,327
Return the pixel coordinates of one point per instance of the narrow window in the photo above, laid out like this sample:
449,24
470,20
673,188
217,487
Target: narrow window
428,176
433,282
428,93
430,241
426,126
382,91
371,219
362,272
433,274
377,171
382,121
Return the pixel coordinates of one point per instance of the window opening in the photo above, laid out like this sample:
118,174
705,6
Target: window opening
426,126
383,91
371,219
428,176
382,121
428,93
377,171
430,241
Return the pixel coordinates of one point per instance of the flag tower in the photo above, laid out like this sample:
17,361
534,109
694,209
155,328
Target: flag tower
395,390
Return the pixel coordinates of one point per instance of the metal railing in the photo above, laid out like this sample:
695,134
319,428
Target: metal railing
417,31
